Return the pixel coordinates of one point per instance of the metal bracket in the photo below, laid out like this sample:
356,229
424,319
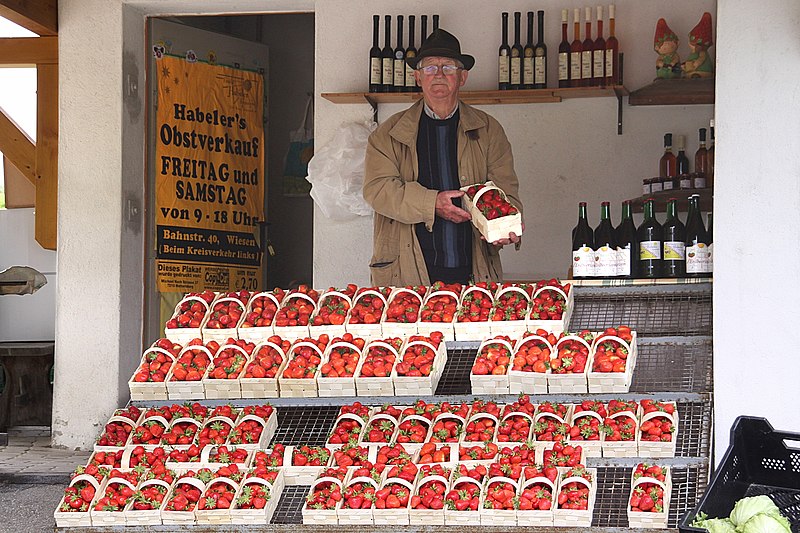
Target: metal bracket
374,105
619,114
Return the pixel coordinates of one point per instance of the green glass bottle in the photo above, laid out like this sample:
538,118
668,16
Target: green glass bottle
651,238
582,246
697,251
627,244
674,256
605,247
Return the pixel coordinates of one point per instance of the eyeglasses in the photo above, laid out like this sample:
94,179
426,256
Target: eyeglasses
447,70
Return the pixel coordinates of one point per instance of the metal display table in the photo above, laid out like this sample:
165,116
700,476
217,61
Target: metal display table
673,323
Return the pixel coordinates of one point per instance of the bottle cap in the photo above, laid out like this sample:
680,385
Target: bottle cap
581,204
611,10
681,142
588,12
599,12
577,14
702,134
667,139
605,203
564,16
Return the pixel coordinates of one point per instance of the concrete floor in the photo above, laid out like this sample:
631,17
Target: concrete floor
28,507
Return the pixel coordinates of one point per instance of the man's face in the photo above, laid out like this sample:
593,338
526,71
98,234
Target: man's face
440,85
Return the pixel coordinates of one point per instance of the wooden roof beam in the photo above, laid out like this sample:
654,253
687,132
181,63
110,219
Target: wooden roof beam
28,51
38,16
17,147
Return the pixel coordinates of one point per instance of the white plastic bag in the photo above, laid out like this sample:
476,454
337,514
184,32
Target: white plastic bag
336,173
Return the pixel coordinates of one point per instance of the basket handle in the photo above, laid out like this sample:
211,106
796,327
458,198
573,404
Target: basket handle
156,349
528,338
625,344
267,295
502,479
576,415
441,293
429,478
476,416
654,414
626,412
372,293
506,290
197,347
576,338
229,299
538,479
305,343
187,419
420,343
205,453
517,413
269,344
254,418
325,479
475,289
539,416
383,344
345,297
444,416
121,481
489,185
193,481
399,481
341,344
465,479
549,288
362,479
400,290
220,418
428,422
222,479
156,418
299,295
646,479
123,419
190,299
579,479
149,482
86,477
234,347
497,341
258,480
349,416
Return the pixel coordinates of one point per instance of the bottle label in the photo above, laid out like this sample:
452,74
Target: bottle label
700,182
624,260
698,259
605,262
516,70
575,66
375,73
410,81
540,69
583,262
711,257
527,70
686,183
586,65
388,71
674,251
502,71
649,250
599,63
563,66
610,64
668,185
399,73
646,189
657,186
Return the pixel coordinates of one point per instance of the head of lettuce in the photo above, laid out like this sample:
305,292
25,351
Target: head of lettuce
757,514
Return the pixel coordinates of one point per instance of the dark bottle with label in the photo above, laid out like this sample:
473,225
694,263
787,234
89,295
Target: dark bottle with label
387,57
540,55
710,158
627,244
504,59
582,246
423,31
516,56
527,56
698,257
701,162
599,57
411,51
563,52
682,162
651,238
435,23
375,66
605,246
399,59
576,52
668,165
710,232
674,255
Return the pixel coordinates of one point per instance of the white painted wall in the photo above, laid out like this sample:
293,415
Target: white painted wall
563,152
757,195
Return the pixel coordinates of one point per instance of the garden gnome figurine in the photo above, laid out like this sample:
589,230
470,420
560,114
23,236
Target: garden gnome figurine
665,43
698,64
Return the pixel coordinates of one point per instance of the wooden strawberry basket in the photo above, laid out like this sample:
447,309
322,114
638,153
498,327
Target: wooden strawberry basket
427,517
371,385
556,326
181,518
399,329
491,384
270,425
624,448
257,334
79,518
591,448
187,390
110,518
121,420
536,517
650,520
446,328
221,334
150,517
299,387
337,386
612,382
657,449
325,517
183,335
213,517
262,387
472,331
263,516
225,389
421,385
574,517
512,328
149,390
294,332
356,516
299,475
492,230
393,517
498,517
568,383
453,517
366,330
334,330
524,382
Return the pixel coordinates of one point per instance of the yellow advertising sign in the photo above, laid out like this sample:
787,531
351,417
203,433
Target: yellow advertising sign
209,176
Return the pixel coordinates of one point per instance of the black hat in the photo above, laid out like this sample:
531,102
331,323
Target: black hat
441,43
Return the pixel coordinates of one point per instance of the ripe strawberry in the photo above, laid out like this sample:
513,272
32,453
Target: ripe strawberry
534,354
191,310
494,357
510,305
478,453
492,203
304,359
379,360
609,354
417,359
574,495
310,456
333,308
477,302
267,358
562,454
499,495
254,496
296,310
262,308
571,355
404,306
368,306
394,455
226,312
548,304
430,453
441,307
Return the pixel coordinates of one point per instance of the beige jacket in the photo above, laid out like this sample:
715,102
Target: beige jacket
391,188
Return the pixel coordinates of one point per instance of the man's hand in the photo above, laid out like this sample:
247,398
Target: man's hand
446,210
513,238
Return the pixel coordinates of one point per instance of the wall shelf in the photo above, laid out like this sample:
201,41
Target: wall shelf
682,195
674,92
525,96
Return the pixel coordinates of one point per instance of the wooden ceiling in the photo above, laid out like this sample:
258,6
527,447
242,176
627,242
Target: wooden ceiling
36,159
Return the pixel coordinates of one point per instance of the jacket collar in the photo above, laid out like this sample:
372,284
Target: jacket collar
405,130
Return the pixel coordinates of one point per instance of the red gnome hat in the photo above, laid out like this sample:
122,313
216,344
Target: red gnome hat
663,33
701,34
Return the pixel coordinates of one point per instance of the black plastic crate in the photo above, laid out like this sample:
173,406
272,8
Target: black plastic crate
759,460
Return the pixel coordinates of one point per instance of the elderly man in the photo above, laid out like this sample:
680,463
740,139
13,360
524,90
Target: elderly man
417,160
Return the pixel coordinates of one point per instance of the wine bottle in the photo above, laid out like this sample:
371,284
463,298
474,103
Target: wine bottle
701,162
540,55
575,50
668,167
423,31
599,61
627,244
582,246
612,51
411,82
682,161
527,56
605,246
516,55
435,23
710,157
375,68
697,251
674,265
710,233
563,52
387,54
651,236
503,78
399,59
588,48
